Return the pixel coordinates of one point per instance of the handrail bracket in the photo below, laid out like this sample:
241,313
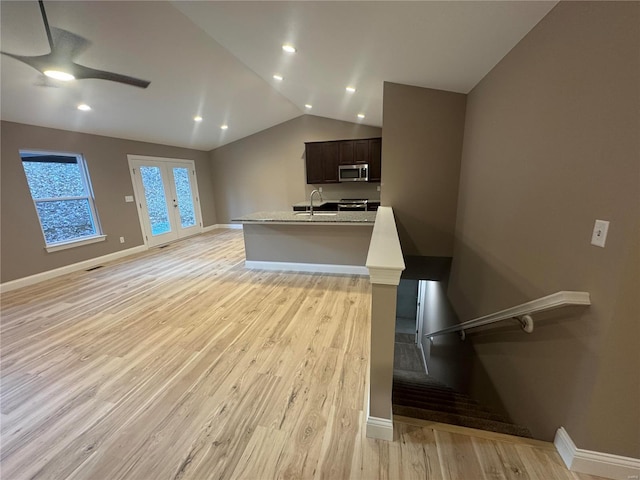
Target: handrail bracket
526,322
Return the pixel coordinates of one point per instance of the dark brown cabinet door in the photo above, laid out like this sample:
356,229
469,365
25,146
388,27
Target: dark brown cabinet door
323,158
331,153
347,152
375,159
314,153
361,151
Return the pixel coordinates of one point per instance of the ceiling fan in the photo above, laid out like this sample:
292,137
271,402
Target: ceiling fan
59,64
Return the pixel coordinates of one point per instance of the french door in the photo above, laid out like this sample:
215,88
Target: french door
167,198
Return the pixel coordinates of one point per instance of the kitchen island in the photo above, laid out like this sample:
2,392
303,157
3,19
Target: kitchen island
329,242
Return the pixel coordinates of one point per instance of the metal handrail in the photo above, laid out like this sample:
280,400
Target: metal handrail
522,312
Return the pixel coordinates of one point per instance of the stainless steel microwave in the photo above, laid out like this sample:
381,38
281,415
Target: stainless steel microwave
353,173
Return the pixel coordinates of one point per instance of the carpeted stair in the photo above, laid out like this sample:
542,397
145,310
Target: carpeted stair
417,395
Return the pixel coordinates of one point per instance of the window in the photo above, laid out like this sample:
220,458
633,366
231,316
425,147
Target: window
61,191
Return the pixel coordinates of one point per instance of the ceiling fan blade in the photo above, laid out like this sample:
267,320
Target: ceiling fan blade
67,45
39,62
82,72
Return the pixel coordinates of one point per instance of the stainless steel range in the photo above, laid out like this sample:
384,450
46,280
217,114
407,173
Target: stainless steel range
353,205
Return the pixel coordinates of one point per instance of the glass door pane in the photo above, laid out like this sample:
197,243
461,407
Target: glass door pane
154,194
184,197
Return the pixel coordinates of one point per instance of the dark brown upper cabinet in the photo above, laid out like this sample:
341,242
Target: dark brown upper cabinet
323,158
346,152
314,154
375,159
331,161
361,151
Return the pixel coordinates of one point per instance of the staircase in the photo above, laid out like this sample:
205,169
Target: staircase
417,395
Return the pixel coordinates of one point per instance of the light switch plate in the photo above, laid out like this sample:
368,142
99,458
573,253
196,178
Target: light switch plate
128,198
599,236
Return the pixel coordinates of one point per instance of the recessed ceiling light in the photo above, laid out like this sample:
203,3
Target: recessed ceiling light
308,106
197,118
84,107
224,127
59,75
361,115
289,48
278,77
350,89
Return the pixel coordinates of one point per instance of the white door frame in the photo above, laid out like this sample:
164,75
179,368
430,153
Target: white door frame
139,196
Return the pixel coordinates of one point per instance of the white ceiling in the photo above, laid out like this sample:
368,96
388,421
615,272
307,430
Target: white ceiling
217,59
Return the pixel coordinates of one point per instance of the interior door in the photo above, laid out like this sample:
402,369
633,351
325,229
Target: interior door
167,198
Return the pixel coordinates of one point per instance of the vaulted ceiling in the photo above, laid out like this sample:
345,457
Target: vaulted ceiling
218,60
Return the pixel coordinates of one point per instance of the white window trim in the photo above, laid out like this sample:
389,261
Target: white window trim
54,247
100,236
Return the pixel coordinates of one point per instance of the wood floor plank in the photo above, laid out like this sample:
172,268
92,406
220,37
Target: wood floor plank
180,363
457,456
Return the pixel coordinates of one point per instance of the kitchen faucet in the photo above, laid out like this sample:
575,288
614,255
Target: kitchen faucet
311,201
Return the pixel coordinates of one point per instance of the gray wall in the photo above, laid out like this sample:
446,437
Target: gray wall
22,250
550,145
421,149
266,171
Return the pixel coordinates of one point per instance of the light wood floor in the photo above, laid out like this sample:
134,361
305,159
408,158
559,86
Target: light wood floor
180,364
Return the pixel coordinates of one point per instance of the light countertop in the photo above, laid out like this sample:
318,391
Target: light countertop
335,218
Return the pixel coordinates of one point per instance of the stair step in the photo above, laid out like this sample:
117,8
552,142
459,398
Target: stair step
406,338
454,408
436,396
462,420
427,386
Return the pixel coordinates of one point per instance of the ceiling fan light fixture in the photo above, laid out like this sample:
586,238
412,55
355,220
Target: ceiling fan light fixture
59,75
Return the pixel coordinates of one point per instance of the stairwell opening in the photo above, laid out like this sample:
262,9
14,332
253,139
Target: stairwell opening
423,305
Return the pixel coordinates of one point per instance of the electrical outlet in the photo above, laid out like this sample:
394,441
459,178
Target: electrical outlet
378,187
128,198
320,189
121,239
600,230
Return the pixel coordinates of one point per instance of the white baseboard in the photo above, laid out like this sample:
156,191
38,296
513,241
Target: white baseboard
307,267
237,226
595,463
74,267
380,428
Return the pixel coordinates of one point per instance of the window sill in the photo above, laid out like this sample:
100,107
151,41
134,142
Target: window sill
54,247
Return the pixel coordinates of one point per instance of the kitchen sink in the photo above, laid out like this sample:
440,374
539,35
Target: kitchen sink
319,214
